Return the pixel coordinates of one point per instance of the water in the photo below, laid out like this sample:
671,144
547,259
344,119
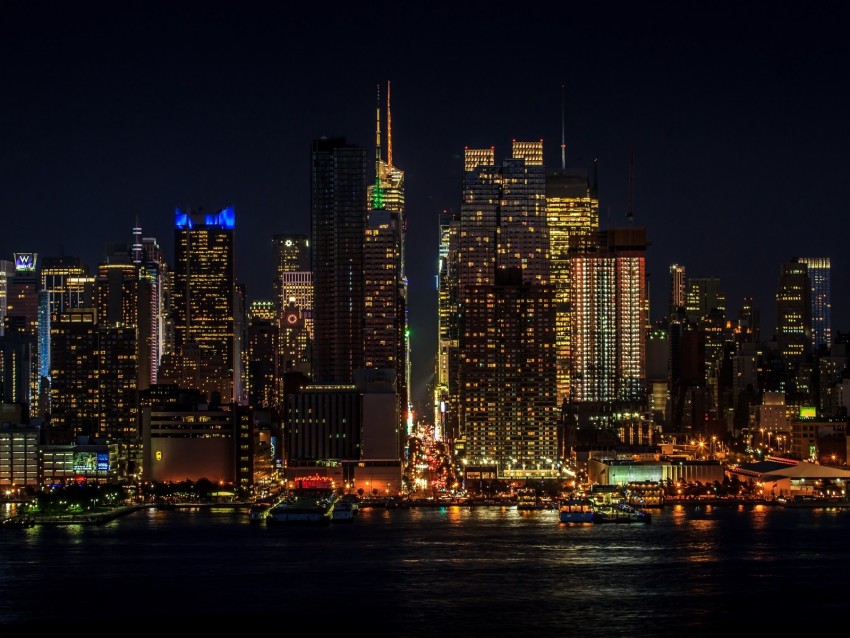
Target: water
490,571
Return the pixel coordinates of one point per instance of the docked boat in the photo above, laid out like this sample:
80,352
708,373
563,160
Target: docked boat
312,501
258,512
576,509
343,512
621,512
527,499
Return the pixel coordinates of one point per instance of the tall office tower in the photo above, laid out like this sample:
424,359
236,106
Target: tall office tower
337,227
263,376
153,267
386,343
123,300
704,294
749,322
23,318
7,271
117,387
293,289
74,374
794,313
203,302
572,212
240,344
506,342
821,298
678,289
445,373
63,286
609,331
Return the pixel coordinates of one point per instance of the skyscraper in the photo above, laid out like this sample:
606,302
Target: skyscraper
794,313
821,299
203,303
678,289
293,289
385,283
572,212
506,315
609,331
337,225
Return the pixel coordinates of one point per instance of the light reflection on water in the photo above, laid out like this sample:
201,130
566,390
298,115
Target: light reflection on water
487,571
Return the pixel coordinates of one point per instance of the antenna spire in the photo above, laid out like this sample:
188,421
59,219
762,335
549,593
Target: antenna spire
563,144
389,131
377,195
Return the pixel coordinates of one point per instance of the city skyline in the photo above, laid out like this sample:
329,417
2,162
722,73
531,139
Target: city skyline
735,125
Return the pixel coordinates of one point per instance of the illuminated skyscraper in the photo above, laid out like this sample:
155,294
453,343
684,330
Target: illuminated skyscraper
153,267
338,221
293,289
572,211
74,374
203,303
609,331
678,289
7,271
385,283
506,326
794,313
263,378
445,373
821,298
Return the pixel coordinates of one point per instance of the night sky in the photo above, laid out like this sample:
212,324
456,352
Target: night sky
737,114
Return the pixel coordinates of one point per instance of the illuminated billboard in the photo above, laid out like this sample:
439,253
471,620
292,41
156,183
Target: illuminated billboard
93,462
25,262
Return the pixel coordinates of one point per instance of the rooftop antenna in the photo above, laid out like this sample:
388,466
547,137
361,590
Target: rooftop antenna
389,131
377,196
563,145
630,212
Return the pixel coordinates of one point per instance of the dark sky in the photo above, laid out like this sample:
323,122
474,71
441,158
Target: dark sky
737,114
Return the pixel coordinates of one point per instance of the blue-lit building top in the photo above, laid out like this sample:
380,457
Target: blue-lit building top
225,218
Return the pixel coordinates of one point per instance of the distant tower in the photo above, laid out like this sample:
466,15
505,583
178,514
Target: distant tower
794,313
293,288
204,297
506,332
572,214
386,344
337,221
678,289
821,298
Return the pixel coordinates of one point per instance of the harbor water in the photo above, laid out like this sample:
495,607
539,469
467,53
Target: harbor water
431,571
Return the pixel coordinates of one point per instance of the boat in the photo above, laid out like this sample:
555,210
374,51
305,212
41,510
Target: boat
258,512
18,522
527,499
343,512
619,512
576,509
311,502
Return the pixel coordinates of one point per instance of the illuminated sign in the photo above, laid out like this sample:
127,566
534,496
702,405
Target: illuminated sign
85,462
808,412
25,261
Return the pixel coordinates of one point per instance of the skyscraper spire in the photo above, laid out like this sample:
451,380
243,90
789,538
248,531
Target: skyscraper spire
377,195
389,132
563,144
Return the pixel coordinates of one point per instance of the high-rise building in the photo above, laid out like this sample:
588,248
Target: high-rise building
74,374
678,289
153,267
263,374
445,373
572,212
506,315
337,222
821,298
293,290
386,343
704,295
7,271
609,331
794,313
203,302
